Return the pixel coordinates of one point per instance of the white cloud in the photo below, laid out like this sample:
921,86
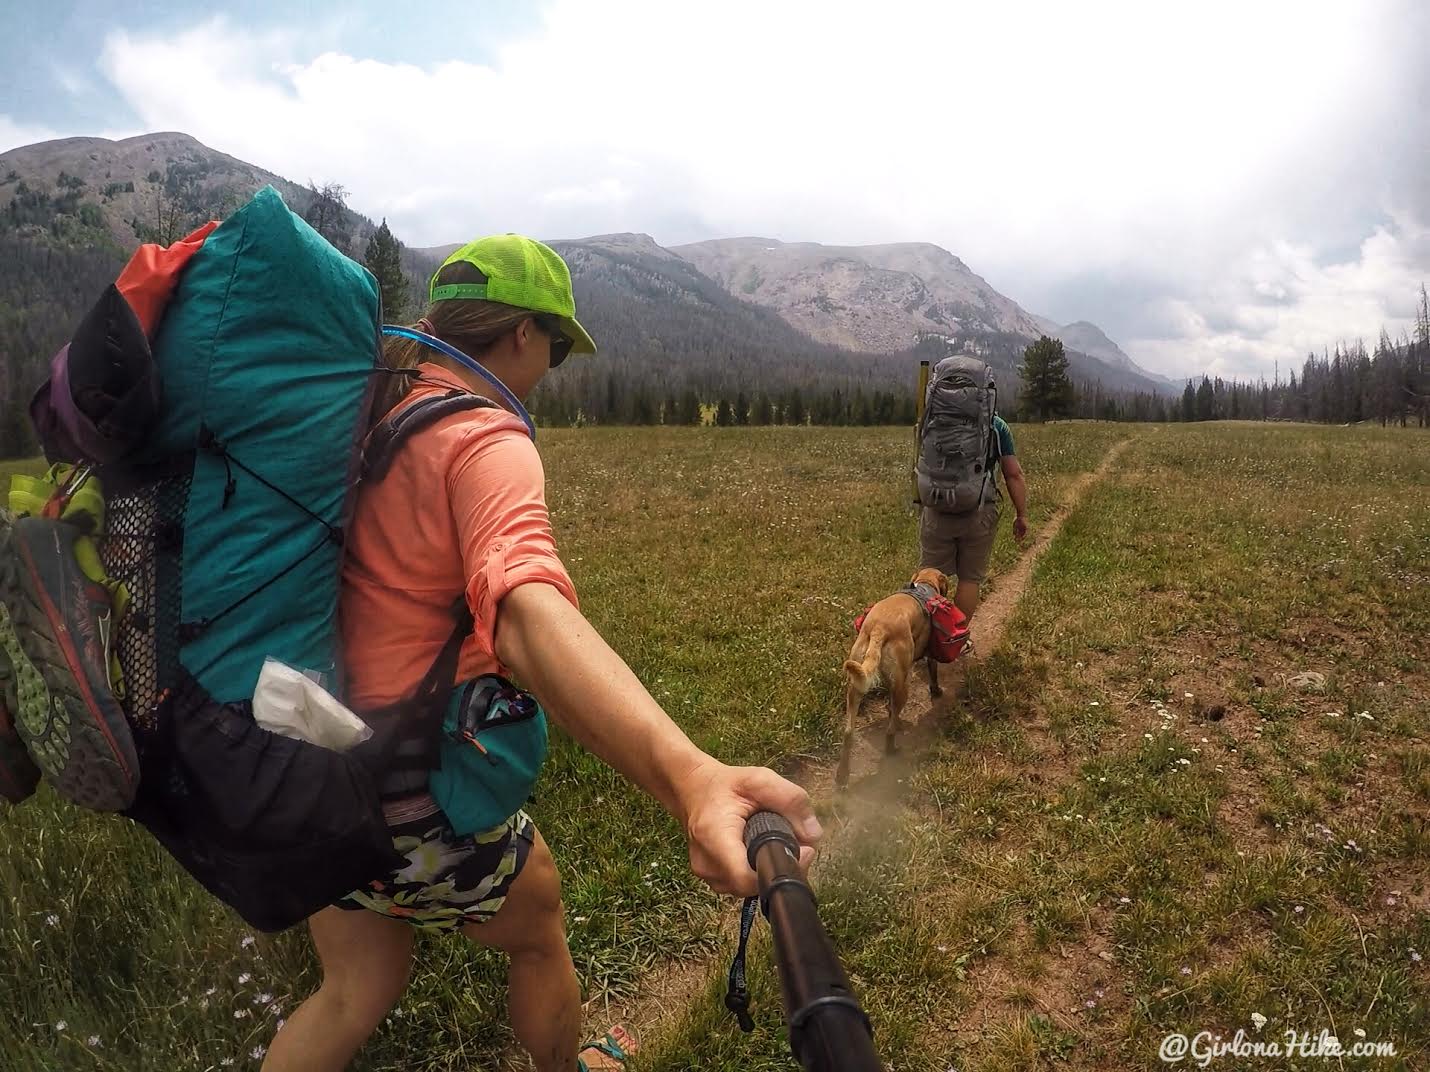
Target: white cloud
1279,304
1035,140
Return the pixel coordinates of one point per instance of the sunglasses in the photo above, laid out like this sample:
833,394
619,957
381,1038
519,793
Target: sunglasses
560,344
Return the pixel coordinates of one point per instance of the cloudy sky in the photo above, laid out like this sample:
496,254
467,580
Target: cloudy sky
1218,185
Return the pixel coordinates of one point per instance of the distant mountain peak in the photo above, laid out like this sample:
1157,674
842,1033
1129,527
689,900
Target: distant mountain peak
1088,338
627,241
881,298
733,307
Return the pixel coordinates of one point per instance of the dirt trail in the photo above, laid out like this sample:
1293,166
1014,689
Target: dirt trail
876,778
922,715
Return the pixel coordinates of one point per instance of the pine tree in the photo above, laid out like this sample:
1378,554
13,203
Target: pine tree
642,406
1206,401
742,408
1189,403
384,260
612,409
1047,391
796,413
724,415
690,408
328,213
865,415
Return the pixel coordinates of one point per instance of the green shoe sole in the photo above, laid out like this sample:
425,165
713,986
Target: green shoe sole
18,773
54,627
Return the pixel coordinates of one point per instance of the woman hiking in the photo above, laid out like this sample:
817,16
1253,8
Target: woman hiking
460,515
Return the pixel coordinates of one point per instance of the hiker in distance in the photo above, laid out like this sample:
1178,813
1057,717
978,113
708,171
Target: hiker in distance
963,444
460,515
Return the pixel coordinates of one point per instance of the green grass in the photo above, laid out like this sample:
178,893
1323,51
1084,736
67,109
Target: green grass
726,565
1139,827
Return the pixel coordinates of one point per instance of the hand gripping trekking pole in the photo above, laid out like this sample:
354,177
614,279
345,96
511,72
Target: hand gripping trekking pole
828,1031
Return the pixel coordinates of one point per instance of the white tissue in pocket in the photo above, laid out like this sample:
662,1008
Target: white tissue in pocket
290,703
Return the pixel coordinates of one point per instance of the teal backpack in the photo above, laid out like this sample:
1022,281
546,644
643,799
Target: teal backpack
224,520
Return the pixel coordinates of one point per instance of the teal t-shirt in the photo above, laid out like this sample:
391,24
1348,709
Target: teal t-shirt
1004,438
1000,445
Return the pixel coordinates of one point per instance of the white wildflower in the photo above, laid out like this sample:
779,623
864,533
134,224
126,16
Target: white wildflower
1258,1020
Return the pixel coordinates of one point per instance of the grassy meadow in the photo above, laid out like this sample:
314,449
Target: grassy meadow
1138,822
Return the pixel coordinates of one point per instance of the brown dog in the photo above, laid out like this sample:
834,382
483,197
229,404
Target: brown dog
895,633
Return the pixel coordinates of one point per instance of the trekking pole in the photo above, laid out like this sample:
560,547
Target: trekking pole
919,400
828,1031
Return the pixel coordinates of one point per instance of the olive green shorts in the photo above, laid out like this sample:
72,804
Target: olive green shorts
958,544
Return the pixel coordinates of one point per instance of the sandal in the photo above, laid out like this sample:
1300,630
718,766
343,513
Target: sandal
618,1045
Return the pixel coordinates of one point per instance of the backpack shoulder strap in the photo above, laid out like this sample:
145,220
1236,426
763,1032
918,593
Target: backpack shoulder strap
387,438
407,732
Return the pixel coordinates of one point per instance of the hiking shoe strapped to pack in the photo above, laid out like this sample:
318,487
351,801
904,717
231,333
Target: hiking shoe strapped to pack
18,773
57,630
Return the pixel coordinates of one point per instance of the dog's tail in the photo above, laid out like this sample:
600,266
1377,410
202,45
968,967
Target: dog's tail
862,671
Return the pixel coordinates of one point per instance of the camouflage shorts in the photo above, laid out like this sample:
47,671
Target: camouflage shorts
448,881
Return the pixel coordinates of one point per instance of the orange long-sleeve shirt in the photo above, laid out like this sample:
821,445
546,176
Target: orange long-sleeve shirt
461,510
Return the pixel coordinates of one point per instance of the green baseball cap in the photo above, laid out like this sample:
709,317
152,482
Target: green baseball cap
521,272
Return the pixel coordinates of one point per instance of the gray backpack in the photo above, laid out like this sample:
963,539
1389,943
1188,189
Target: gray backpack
955,435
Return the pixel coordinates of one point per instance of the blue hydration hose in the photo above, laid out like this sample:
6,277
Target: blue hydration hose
441,347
